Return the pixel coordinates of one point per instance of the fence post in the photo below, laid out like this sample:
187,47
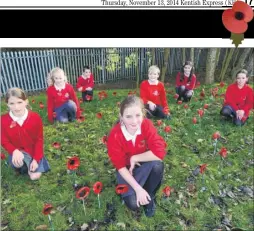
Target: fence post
103,65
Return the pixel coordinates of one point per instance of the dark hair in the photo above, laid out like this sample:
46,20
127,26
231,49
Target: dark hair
191,72
86,67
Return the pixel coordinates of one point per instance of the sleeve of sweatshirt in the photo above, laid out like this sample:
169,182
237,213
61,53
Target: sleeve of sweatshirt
164,97
143,92
155,142
5,140
38,148
50,105
91,82
249,102
178,83
78,85
115,151
229,100
192,83
75,99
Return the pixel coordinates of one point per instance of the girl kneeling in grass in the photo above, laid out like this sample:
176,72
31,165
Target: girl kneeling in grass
61,98
22,136
136,150
238,99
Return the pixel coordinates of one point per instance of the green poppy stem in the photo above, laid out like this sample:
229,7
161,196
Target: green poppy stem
84,206
99,200
215,145
203,180
74,175
50,222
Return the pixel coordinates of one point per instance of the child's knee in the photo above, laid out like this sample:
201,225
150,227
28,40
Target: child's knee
158,167
35,176
131,202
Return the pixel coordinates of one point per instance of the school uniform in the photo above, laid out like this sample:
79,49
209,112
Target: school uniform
64,102
25,134
85,83
121,146
237,99
185,87
154,92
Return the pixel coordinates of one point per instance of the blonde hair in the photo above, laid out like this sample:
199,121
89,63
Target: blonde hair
154,68
50,77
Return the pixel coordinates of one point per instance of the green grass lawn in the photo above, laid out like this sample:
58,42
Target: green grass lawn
226,202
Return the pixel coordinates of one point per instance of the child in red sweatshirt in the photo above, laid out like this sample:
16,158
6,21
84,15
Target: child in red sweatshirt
153,93
238,99
85,84
22,136
136,150
62,101
185,82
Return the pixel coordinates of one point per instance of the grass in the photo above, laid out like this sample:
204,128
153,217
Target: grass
187,207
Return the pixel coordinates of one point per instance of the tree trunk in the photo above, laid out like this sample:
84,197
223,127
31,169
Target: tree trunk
183,56
250,64
192,55
217,57
241,62
226,64
164,68
137,68
197,59
153,56
210,65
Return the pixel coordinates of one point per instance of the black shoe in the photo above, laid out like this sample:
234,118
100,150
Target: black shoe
150,209
24,169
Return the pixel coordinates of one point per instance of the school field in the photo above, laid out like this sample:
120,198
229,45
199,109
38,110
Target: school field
221,198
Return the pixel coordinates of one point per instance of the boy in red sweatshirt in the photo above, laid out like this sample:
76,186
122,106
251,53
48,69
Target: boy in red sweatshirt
153,93
22,136
85,84
62,101
137,151
238,99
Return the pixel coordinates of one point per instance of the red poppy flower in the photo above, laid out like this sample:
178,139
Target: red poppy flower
89,97
3,157
167,191
80,100
166,110
222,84
73,163
121,189
99,115
200,112
54,114
176,96
194,120
83,193
214,91
159,122
202,93
185,106
104,139
223,152
167,129
203,168
81,119
206,106
235,20
179,102
216,135
33,101
56,145
47,209
114,93
13,124
41,105
97,187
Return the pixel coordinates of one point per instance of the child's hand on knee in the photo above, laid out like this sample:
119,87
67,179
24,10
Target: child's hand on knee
33,166
17,158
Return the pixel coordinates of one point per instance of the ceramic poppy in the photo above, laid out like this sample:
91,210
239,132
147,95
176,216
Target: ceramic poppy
223,152
73,163
3,157
56,145
235,20
97,187
203,168
194,120
83,193
167,191
121,189
47,209
216,135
